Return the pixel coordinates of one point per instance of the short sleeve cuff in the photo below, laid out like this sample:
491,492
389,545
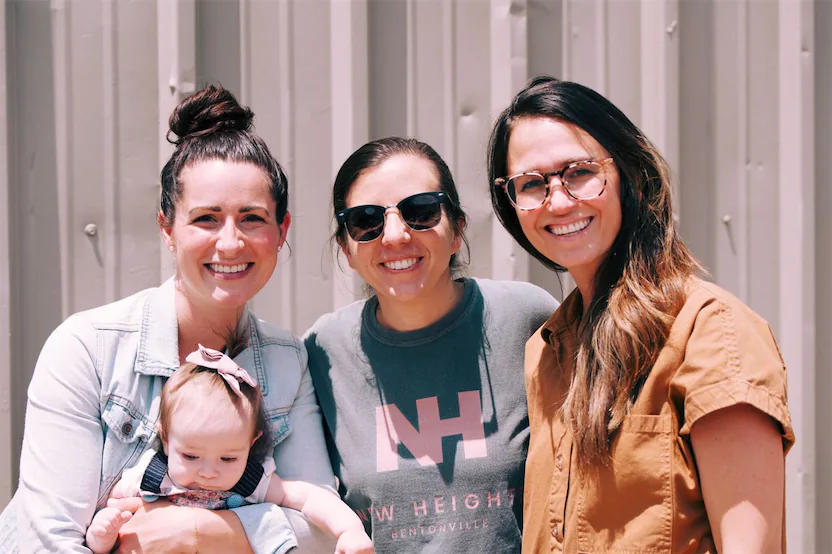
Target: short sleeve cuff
267,528
733,392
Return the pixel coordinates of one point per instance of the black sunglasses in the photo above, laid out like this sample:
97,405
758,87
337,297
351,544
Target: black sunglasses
420,212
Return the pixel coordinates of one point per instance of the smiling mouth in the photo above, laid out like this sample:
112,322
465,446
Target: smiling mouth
401,265
572,228
229,269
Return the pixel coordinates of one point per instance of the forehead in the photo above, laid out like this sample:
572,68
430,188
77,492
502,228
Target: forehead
224,183
207,410
546,144
392,180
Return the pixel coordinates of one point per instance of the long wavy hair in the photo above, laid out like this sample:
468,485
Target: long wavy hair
640,284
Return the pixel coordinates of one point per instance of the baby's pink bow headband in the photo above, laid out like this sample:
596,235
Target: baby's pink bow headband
225,366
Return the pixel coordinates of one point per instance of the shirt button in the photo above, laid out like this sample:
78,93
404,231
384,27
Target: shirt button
559,461
556,533
127,428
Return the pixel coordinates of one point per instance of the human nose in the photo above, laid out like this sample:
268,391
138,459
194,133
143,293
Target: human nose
230,241
208,470
396,230
559,199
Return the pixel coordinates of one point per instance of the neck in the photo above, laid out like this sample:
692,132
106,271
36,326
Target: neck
205,325
421,312
585,285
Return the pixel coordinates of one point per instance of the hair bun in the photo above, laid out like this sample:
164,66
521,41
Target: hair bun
210,110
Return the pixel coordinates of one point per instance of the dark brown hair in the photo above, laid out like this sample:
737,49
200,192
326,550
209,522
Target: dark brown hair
180,385
211,124
640,285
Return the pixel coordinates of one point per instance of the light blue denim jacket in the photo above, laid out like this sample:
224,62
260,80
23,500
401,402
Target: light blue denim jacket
92,407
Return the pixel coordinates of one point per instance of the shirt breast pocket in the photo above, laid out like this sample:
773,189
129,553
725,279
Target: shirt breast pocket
279,424
127,433
626,507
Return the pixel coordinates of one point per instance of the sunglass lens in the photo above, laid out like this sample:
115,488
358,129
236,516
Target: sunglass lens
421,211
365,223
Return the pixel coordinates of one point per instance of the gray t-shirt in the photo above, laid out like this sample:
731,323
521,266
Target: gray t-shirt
428,429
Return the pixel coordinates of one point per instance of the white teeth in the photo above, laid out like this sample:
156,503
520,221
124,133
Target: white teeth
571,228
401,264
229,268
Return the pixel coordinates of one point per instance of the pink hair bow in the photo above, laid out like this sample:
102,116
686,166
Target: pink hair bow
225,366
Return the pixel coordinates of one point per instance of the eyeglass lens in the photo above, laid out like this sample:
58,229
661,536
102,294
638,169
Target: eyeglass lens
583,181
420,212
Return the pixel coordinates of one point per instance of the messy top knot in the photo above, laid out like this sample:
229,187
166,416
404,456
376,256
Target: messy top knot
210,110
211,125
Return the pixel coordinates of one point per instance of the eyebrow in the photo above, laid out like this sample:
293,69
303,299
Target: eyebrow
218,209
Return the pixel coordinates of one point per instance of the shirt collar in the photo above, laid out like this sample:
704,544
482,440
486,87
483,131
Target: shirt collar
567,316
159,333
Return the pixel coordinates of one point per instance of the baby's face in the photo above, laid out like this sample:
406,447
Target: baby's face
207,451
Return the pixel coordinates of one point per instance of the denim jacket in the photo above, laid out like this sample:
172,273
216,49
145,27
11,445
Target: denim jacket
92,407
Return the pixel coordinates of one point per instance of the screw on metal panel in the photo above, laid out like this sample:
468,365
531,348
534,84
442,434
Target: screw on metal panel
726,219
672,27
91,229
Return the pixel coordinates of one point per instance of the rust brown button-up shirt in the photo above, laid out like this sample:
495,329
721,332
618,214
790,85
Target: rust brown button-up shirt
718,354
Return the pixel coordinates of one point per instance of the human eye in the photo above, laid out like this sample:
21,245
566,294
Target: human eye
204,218
529,183
229,459
254,218
190,457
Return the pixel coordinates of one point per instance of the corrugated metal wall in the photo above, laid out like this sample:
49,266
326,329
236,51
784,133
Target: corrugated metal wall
736,93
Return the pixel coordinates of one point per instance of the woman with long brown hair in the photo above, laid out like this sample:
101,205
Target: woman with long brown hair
657,400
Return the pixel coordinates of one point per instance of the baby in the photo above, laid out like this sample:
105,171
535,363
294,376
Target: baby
216,455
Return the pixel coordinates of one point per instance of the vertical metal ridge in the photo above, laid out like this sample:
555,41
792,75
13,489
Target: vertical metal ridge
110,237
61,48
602,69
797,261
245,52
449,83
410,61
287,148
6,459
743,151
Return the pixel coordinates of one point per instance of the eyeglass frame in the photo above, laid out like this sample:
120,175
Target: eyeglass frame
547,179
341,216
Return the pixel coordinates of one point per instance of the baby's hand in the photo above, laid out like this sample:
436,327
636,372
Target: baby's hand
354,541
102,533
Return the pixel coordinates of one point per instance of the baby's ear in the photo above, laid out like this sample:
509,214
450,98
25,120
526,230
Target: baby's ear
257,435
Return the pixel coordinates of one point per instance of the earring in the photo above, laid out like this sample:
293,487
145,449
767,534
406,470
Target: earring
172,248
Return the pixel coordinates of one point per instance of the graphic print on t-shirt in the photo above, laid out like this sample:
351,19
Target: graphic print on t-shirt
425,443
447,509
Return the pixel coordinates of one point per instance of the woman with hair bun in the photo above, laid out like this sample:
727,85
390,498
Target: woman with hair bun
94,398
657,400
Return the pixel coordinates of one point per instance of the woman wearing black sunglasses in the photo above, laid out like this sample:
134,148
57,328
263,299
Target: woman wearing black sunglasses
421,385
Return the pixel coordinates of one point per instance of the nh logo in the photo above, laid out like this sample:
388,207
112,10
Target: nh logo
425,443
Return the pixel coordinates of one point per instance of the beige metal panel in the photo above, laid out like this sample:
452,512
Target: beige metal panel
730,146
585,43
696,170
796,198
34,250
217,43
823,268
472,83
388,70
6,447
84,226
763,160
133,101
310,168
350,117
